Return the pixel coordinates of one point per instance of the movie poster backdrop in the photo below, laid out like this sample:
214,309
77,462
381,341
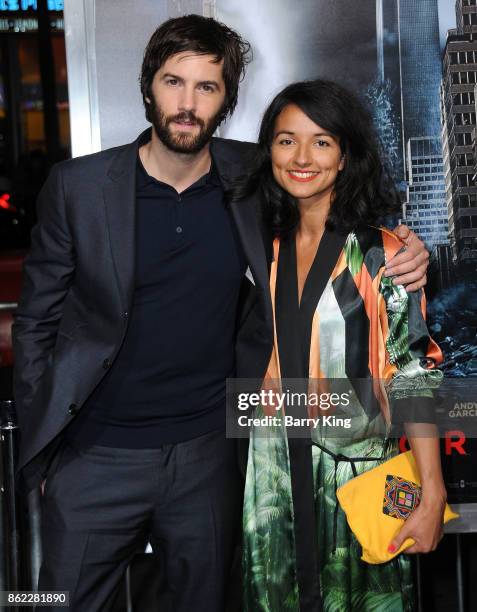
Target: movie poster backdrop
390,52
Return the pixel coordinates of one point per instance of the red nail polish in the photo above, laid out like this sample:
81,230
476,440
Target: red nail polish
391,548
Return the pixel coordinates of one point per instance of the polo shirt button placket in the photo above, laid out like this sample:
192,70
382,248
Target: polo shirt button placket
178,212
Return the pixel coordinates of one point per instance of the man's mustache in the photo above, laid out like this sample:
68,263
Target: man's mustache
187,116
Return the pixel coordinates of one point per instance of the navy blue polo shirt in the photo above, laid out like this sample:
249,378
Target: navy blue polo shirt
168,382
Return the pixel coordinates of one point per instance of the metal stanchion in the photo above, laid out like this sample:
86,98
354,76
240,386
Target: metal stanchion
3,564
419,584
460,575
9,446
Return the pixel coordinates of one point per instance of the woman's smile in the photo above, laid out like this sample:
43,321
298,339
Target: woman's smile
302,176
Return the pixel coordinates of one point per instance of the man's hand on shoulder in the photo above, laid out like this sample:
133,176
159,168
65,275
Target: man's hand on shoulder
409,267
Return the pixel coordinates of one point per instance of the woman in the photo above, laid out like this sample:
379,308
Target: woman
338,318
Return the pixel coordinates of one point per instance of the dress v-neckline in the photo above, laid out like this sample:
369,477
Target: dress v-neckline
306,284
294,316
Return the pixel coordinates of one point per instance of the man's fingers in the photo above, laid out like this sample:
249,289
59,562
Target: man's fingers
414,258
410,277
417,285
402,231
414,243
406,262
408,268
405,267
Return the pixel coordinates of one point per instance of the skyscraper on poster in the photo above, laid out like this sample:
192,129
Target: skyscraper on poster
458,105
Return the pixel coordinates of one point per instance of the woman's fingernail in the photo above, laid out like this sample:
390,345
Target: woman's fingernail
391,548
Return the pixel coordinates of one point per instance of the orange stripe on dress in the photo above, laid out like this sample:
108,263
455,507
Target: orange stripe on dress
434,352
316,375
392,244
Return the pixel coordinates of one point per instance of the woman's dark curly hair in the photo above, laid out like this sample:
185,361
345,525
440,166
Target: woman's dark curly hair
364,192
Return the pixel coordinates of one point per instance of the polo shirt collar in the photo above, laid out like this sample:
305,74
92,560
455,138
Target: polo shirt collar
210,178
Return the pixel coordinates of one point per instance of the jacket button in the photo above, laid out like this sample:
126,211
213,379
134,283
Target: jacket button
125,315
107,364
73,409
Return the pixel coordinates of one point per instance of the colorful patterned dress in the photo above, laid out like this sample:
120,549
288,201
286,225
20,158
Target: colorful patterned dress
352,324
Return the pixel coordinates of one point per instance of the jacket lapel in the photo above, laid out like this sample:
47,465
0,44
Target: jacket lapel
120,200
245,214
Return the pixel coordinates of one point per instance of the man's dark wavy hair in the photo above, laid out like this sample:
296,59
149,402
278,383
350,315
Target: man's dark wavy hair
203,36
364,193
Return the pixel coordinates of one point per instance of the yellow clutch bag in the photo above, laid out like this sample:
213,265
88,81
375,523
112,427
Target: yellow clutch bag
378,502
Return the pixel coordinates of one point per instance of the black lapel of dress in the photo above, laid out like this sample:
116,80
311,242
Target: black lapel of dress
294,321
326,257
120,200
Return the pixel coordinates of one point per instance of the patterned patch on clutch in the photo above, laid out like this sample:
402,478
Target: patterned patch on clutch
401,497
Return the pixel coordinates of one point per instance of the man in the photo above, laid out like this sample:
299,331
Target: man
143,291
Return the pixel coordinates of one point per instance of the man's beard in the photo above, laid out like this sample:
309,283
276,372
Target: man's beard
181,142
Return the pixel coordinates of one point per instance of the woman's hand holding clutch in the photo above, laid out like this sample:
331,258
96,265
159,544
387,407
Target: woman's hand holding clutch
425,524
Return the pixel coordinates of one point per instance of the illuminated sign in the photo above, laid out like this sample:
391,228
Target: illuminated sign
29,5
28,25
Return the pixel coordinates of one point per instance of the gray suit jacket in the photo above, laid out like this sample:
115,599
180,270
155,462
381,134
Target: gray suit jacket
78,288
